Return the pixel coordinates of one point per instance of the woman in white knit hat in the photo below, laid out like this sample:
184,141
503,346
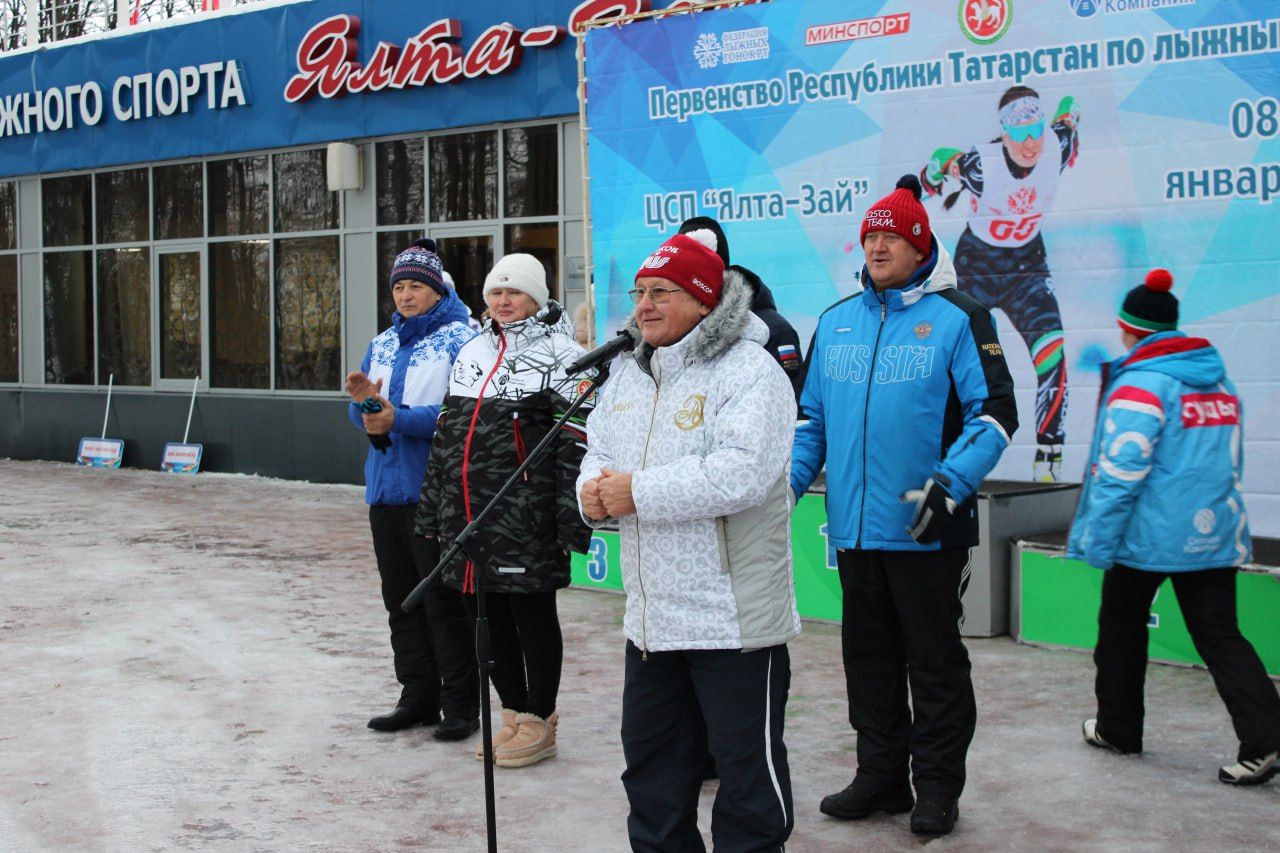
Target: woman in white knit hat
506,392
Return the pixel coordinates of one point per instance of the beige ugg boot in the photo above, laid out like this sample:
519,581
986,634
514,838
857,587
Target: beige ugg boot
535,740
502,735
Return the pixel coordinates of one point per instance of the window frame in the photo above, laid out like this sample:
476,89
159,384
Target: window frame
32,257
16,252
174,247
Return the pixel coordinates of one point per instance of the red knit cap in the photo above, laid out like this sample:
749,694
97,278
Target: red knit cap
901,213
690,261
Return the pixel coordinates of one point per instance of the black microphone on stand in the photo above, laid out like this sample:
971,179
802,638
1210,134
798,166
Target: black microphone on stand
626,340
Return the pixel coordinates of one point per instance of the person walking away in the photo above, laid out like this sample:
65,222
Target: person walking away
1162,500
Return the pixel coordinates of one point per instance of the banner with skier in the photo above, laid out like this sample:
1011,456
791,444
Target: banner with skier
1065,147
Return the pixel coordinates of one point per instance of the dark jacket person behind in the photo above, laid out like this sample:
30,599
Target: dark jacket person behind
783,343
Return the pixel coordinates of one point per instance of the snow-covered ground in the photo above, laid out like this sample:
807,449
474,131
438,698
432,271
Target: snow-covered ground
189,663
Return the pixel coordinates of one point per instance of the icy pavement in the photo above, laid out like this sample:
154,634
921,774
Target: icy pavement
189,663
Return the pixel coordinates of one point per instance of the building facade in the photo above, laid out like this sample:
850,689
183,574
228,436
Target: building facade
166,217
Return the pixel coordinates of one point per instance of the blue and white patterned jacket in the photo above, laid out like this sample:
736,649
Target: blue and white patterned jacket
1163,488
413,359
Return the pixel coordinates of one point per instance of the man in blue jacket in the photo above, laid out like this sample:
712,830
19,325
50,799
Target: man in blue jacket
1162,500
406,370
909,404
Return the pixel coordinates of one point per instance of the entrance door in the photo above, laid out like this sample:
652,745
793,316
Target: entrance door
182,330
468,254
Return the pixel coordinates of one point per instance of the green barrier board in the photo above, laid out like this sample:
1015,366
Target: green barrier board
1060,600
817,583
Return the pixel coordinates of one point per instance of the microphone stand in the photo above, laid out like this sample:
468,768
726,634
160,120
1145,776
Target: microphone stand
477,550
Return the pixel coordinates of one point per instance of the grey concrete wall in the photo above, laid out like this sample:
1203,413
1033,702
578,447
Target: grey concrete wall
295,438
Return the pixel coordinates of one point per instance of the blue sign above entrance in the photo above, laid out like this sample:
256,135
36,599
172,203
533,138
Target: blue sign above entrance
285,75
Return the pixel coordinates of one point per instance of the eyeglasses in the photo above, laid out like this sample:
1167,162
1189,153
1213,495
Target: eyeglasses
657,295
1023,132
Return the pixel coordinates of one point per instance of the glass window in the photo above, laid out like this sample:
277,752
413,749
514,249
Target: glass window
238,199
122,206
468,260
399,173
8,216
67,213
390,244
303,200
124,315
308,314
179,201
8,318
532,170
68,318
464,176
179,315
543,242
240,319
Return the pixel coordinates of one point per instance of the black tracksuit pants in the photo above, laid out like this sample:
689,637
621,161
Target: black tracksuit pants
742,696
528,648
433,649
1207,600
901,626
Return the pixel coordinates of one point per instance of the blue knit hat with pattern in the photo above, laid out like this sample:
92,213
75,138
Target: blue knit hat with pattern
420,263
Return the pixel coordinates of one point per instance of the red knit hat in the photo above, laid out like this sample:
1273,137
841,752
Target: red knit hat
901,213
690,261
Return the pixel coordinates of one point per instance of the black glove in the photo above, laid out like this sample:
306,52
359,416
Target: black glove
380,440
933,509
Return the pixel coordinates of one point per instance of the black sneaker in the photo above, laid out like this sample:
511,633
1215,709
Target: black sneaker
404,718
864,797
455,728
935,816
1251,771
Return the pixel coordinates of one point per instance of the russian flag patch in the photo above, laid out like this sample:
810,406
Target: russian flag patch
786,352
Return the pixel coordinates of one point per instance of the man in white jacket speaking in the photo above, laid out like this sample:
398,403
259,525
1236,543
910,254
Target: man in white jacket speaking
688,448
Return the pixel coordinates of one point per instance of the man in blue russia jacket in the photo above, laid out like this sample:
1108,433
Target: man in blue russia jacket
1162,500
909,404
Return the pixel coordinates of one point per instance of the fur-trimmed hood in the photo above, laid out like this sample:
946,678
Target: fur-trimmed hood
729,322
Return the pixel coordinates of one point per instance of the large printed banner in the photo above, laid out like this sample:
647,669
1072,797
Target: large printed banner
1068,146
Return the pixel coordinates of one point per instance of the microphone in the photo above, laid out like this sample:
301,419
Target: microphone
625,341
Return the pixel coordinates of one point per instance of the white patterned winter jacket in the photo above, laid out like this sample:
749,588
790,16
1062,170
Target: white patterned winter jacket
705,428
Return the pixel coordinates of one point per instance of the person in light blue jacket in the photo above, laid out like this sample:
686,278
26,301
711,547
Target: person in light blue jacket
908,401
405,372
1162,499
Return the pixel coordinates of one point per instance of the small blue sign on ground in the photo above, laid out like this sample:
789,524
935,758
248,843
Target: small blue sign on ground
100,452
181,458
